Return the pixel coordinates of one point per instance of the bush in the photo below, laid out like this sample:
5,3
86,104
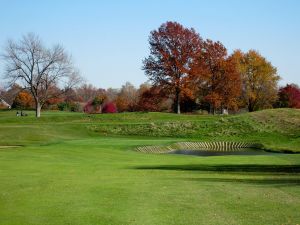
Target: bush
69,106
75,107
98,100
63,106
109,107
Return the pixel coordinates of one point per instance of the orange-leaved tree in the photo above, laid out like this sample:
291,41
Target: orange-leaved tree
23,100
222,85
231,84
127,98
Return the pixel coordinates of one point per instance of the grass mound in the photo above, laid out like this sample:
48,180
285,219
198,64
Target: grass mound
275,129
278,129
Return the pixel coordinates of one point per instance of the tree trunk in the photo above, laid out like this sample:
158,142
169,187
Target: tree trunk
250,106
211,109
177,102
38,109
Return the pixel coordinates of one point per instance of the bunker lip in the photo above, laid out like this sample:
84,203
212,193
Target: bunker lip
211,152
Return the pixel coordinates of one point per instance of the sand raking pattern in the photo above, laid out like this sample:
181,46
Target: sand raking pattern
221,146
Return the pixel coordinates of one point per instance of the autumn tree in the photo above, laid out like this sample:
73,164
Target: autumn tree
152,99
96,104
23,100
121,103
127,98
289,96
259,80
173,52
87,92
99,100
143,87
38,68
231,84
221,86
112,94
54,99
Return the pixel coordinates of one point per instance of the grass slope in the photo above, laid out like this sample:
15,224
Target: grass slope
66,173
277,129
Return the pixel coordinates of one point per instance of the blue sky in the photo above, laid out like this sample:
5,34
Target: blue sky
108,39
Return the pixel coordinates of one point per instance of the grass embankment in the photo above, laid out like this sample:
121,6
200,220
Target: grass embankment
66,173
277,130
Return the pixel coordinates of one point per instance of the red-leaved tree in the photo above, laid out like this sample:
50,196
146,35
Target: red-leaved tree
174,50
289,96
151,100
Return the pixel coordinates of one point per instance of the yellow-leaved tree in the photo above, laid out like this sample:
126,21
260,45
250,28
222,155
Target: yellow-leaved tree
259,80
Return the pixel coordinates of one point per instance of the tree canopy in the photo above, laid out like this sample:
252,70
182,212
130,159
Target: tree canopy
174,51
259,80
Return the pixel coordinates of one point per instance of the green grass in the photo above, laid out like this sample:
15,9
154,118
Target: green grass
277,129
79,169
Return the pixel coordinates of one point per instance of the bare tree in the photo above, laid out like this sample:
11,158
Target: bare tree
88,92
39,69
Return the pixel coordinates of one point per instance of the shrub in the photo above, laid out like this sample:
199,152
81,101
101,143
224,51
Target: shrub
75,107
63,106
90,108
109,107
98,100
69,106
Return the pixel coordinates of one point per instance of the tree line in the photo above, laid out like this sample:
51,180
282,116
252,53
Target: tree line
146,98
186,74
186,66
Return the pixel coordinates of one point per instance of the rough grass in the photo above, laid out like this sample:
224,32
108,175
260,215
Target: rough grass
277,129
76,169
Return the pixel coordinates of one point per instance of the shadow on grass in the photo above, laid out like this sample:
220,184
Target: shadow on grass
227,168
287,174
280,181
